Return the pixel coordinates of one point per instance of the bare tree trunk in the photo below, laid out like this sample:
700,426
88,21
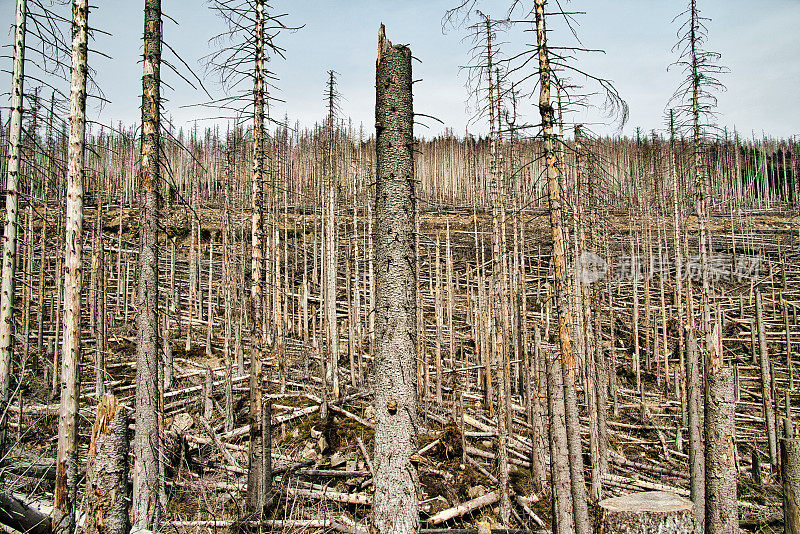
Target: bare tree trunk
10,230
330,260
228,285
395,505
257,479
565,364
790,473
722,516
147,445
560,481
766,372
65,494
107,493
696,455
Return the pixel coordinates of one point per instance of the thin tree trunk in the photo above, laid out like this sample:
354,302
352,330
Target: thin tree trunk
766,372
147,445
257,479
65,494
696,454
10,230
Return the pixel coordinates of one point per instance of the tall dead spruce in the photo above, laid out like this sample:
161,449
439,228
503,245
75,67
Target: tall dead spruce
9,260
64,499
147,445
259,477
395,505
569,429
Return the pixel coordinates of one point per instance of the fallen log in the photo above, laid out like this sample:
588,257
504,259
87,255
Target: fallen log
218,443
270,523
45,471
349,498
464,508
19,516
351,415
527,509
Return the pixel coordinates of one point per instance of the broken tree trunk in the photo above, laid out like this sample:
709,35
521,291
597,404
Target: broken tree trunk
465,508
395,505
720,465
790,472
107,494
649,511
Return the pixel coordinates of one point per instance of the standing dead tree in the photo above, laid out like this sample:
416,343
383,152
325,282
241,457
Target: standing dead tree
330,256
147,445
65,496
395,505
9,260
250,40
696,111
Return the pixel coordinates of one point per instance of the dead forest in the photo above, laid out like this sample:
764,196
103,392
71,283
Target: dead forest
267,326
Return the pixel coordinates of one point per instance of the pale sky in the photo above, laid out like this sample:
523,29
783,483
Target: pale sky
758,43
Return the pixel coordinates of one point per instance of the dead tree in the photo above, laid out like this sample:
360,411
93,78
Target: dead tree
722,516
566,361
330,257
65,495
9,260
147,445
107,493
259,477
694,410
394,509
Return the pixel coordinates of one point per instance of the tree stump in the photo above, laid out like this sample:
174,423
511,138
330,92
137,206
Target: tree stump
107,495
646,512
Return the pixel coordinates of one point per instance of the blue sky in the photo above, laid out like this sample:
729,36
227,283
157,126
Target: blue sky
758,42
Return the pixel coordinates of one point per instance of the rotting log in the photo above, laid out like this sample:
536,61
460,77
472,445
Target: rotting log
649,511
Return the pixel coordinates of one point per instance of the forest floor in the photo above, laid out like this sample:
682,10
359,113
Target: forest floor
323,465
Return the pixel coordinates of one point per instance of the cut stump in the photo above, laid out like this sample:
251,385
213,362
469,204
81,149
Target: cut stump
646,512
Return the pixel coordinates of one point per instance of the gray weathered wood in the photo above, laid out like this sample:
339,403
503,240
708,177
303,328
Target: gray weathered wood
646,512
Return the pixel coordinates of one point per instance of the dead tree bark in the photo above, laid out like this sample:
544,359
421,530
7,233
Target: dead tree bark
564,364
790,473
395,502
21,517
10,231
147,445
65,494
769,413
696,455
257,479
107,493
721,511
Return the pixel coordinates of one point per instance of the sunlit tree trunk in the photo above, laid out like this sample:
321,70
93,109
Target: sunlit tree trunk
65,494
